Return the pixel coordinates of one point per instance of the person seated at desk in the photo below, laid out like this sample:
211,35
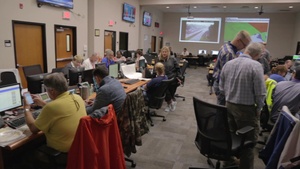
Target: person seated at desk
59,118
155,82
185,52
172,70
287,93
90,62
119,58
110,92
74,64
139,56
109,59
278,73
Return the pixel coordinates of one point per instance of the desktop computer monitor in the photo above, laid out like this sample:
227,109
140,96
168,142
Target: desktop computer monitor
202,52
87,76
100,64
296,57
74,75
113,70
214,52
142,63
10,97
34,82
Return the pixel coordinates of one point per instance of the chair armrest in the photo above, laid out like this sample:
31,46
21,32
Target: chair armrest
244,130
49,151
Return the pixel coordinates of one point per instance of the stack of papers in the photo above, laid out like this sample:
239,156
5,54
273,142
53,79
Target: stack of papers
130,73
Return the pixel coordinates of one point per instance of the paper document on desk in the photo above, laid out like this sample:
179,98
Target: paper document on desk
129,72
8,136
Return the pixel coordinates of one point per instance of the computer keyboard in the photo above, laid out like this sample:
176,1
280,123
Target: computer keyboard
131,81
20,120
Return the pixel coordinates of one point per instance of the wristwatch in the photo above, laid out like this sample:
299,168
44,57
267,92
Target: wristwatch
27,110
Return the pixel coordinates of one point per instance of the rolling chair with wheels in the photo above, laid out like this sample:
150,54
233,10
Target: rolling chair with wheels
214,139
156,100
182,70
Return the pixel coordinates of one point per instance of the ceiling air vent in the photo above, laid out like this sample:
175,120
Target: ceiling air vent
245,7
284,10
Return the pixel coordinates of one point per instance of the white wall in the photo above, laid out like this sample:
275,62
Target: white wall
106,10
48,15
147,32
280,38
296,34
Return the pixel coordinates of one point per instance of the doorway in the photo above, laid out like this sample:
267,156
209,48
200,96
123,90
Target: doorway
110,40
29,46
65,44
161,42
123,41
153,44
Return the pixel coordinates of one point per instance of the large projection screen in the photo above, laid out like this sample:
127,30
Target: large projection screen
200,30
257,28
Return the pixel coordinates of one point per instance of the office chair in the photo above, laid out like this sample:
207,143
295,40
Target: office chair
157,99
182,70
214,139
8,78
32,70
58,70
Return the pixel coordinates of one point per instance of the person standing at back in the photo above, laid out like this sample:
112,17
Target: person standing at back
242,82
90,62
228,52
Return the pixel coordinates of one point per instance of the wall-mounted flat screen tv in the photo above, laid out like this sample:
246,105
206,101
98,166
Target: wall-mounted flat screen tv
58,3
128,13
147,19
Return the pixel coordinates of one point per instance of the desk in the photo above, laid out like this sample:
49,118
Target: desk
193,60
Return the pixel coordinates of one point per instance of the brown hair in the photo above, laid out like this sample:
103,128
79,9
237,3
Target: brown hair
279,68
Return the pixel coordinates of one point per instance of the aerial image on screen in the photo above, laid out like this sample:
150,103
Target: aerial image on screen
257,28
201,30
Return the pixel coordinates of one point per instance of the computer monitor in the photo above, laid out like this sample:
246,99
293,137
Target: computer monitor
113,70
87,76
10,97
35,82
74,75
296,57
142,63
214,52
100,64
201,51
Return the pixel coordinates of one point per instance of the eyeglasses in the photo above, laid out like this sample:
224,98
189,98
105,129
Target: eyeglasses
75,101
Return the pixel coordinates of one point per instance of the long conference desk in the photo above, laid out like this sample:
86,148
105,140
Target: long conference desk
39,137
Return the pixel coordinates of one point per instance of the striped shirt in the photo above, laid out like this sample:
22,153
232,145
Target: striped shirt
226,53
242,81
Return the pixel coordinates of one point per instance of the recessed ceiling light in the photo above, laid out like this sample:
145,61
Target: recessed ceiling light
167,7
195,6
224,6
290,7
256,7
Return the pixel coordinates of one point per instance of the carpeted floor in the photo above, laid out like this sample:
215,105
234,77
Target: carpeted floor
170,144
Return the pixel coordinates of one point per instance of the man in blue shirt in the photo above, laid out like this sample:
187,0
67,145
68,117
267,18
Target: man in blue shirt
228,52
242,82
109,58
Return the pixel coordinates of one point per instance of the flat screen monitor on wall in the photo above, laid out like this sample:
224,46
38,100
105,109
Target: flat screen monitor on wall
147,19
257,28
200,30
128,13
58,3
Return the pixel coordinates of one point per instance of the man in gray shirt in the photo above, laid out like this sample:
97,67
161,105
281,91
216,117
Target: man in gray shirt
242,82
287,93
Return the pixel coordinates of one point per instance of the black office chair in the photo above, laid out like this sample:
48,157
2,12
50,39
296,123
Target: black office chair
157,99
214,139
182,70
8,78
32,70
58,70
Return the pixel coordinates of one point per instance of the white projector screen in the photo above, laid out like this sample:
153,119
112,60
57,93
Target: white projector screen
200,30
257,28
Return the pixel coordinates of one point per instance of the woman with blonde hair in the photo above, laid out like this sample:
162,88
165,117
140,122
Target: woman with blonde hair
278,73
172,70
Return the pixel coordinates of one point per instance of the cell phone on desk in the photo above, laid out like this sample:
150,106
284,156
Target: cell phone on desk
28,98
